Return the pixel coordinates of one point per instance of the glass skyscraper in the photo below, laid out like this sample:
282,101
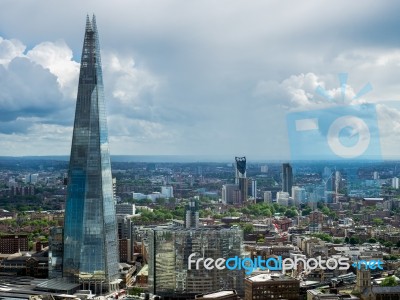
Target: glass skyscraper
90,235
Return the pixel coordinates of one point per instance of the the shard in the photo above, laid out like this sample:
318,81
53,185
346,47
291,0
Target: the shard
90,240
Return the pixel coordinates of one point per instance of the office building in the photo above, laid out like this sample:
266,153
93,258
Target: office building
282,198
125,250
230,194
13,243
395,183
271,286
298,195
55,252
241,178
268,197
169,269
125,209
287,178
90,227
192,214
253,188
167,191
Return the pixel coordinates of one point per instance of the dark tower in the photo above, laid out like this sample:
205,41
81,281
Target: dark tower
287,178
90,235
241,178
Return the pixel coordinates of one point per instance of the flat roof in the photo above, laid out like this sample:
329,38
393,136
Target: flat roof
57,285
267,277
219,294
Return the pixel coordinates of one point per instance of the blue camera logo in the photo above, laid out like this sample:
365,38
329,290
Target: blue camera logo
341,132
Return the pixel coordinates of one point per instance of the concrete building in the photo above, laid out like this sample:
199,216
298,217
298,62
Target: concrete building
230,194
125,209
282,198
167,191
268,197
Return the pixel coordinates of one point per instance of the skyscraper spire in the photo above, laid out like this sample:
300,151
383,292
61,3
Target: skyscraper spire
90,240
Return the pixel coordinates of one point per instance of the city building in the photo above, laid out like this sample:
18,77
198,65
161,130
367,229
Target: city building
230,194
170,272
125,250
125,209
282,198
253,188
298,195
90,228
241,178
13,243
167,191
395,183
271,286
192,214
287,178
55,252
268,197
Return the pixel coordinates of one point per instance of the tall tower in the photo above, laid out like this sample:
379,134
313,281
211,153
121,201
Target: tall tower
241,178
287,178
90,234
192,214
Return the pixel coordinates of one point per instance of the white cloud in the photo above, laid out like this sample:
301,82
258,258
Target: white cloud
57,57
10,49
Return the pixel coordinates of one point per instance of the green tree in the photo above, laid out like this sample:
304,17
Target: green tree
337,241
306,211
290,213
389,281
398,244
354,240
388,244
377,221
248,228
371,240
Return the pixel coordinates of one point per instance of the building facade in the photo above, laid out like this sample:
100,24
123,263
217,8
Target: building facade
170,272
90,234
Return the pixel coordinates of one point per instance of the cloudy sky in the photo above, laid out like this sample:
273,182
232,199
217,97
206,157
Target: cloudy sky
197,77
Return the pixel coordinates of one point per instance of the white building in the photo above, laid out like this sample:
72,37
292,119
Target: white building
138,196
395,182
268,197
299,195
282,198
167,191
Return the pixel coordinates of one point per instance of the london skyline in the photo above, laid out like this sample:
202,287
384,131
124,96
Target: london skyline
194,79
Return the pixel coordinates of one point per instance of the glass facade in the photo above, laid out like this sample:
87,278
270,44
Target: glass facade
90,240
169,250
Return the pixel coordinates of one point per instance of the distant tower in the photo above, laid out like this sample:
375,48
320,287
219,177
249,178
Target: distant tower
90,227
192,214
240,177
287,178
363,284
253,188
